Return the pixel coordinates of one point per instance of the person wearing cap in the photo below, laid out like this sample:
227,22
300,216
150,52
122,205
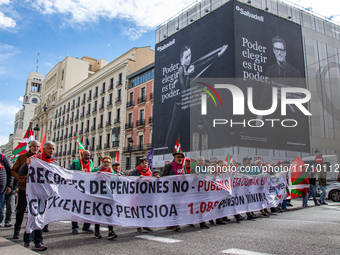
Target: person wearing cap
187,165
84,164
105,168
115,165
142,170
156,173
175,167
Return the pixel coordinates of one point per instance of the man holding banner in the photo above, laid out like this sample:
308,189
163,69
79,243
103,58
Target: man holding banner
83,164
22,203
47,156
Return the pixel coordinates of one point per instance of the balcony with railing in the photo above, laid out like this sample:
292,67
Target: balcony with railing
61,138
82,115
91,148
82,101
68,109
129,104
94,109
106,145
70,134
140,122
102,92
80,132
78,104
115,144
76,117
63,112
100,125
119,83
110,87
72,107
86,130
101,107
59,114
57,139
73,151
62,123
151,96
89,99
95,95
58,125
116,121
99,147
150,120
54,126
129,125
108,123
118,100
65,136
69,152
64,153
141,99
142,147
109,103
88,112
93,128
66,121
71,119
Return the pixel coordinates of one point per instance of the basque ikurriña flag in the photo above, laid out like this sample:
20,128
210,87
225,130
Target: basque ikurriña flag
298,179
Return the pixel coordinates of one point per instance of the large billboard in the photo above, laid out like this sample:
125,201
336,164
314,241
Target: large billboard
232,78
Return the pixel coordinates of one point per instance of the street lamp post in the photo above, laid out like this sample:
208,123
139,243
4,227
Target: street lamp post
130,150
200,127
36,130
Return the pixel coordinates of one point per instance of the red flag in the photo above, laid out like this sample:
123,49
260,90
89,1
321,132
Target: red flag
43,141
298,179
117,160
82,137
178,146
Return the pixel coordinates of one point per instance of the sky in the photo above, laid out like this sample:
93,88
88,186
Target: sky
99,29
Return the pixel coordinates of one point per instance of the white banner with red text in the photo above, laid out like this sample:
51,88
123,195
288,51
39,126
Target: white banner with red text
57,194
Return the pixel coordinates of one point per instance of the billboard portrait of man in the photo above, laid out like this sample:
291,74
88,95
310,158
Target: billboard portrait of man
281,69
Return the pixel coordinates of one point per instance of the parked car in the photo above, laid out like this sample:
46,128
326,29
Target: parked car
332,191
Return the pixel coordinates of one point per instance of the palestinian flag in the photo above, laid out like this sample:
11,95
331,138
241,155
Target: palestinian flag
178,146
23,145
228,160
298,179
81,147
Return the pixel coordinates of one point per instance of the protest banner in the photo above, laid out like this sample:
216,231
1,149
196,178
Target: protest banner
57,194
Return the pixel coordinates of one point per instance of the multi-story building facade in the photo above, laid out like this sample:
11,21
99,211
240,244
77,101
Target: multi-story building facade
31,98
91,105
139,109
320,44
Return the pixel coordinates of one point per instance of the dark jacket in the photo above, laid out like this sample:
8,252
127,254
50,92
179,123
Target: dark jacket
6,179
135,173
168,170
322,176
21,160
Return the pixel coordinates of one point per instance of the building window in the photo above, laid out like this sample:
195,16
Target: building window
62,75
34,101
119,94
120,78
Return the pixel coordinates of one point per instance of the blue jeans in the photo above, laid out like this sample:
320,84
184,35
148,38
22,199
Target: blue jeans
323,194
2,204
37,234
283,205
310,193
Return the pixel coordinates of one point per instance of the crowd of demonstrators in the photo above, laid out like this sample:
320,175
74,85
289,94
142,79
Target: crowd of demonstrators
105,168
178,166
6,184
84,164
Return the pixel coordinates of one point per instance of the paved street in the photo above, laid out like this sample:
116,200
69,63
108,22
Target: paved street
313,230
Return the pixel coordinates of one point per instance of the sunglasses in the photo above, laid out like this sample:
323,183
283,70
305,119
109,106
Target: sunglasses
107,162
